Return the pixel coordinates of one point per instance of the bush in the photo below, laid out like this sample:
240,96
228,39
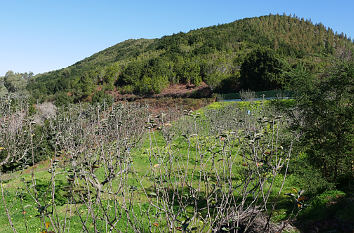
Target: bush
102,97
63,99
128,89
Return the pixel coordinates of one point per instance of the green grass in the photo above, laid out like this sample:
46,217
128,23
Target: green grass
260,94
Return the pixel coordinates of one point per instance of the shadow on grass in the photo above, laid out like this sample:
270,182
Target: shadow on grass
332,211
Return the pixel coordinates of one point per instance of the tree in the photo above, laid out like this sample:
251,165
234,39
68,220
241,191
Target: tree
190,73
145,86
28,75
14,82
326,120
112,73
3,90
132,74
84,87
261,70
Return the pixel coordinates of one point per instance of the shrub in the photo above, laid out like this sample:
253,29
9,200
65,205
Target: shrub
102,97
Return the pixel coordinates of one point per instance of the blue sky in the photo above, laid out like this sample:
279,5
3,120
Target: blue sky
43,35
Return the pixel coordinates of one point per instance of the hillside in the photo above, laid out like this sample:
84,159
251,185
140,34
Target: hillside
213,55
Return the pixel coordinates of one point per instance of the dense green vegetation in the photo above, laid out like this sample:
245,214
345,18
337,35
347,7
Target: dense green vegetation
325,118
227,57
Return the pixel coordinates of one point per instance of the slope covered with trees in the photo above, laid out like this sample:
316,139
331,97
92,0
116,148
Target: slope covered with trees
222,56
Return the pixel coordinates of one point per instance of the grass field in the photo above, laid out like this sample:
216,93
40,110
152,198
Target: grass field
191,175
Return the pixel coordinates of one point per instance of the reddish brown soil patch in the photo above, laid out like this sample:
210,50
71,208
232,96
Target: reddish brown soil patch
175,91
182,90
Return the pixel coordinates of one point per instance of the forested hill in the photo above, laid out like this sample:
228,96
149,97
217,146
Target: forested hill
222,56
